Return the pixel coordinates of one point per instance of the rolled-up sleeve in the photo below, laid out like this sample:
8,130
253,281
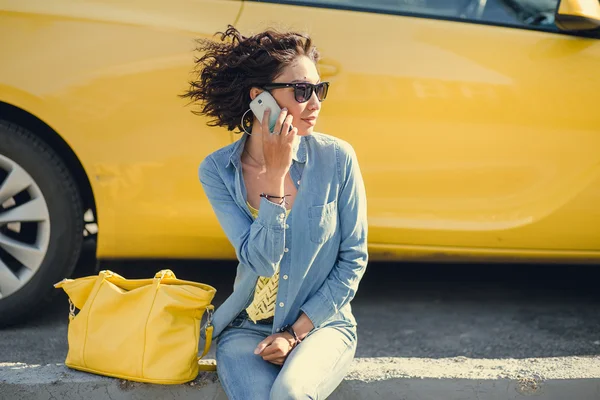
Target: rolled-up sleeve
258,244
342,283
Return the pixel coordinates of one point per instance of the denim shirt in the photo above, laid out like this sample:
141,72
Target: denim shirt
320,247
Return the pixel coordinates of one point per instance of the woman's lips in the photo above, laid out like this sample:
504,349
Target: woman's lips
310,121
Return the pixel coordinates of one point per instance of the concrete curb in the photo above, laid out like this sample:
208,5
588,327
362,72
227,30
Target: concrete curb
459,378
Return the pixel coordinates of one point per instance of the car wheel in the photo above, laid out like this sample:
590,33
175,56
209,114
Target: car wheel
41,222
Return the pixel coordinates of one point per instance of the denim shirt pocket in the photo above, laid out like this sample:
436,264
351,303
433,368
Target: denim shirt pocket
322,221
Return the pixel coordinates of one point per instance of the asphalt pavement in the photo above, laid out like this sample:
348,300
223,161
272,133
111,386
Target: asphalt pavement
525,324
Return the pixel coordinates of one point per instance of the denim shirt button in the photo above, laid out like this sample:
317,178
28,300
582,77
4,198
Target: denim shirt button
285,277
286,250
281,304
287,226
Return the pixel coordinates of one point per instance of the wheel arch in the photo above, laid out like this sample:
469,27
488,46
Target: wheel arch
45,133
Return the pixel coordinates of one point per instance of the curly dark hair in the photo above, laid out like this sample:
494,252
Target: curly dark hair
227,70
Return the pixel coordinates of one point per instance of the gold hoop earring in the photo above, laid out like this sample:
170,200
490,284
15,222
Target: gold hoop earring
243,127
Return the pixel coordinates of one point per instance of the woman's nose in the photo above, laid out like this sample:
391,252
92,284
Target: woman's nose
314,103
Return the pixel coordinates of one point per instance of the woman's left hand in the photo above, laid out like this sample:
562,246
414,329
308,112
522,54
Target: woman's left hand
275,348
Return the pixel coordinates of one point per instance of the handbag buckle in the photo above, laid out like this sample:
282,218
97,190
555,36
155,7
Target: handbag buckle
71,310
209,314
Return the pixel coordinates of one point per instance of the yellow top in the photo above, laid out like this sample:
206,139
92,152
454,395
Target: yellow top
265,293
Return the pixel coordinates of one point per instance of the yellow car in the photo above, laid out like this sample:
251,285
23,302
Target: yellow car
476,125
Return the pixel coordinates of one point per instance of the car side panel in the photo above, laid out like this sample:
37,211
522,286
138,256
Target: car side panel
106,76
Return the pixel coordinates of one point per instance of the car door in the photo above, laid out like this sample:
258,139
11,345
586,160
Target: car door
473,121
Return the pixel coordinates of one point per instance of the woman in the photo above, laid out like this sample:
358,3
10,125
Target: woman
292,203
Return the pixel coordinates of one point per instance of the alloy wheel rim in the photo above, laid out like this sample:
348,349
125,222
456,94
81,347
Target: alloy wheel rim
24,227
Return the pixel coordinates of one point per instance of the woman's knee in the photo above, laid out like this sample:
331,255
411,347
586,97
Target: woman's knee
284,389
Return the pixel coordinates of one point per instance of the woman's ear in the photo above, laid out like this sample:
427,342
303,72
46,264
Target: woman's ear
255,92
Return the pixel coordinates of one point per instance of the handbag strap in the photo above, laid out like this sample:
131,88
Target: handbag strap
207,343
210,365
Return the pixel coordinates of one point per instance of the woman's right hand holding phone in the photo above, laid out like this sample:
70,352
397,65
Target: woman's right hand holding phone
277,150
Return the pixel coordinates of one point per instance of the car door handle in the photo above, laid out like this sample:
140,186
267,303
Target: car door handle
328,68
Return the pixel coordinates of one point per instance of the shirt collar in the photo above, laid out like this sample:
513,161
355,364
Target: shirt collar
298,151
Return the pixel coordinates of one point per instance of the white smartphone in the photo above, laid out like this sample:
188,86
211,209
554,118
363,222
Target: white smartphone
262,102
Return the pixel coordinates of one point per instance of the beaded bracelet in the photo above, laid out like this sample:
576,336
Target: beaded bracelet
290,329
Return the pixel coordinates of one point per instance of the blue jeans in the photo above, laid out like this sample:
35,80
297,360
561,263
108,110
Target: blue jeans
311,371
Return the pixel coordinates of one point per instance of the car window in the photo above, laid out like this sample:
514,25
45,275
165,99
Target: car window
442,8
532,13
527,13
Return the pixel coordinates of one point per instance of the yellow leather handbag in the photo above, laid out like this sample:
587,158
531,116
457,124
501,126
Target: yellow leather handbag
144,330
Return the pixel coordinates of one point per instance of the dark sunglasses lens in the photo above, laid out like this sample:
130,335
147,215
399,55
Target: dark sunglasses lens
322,89
302,93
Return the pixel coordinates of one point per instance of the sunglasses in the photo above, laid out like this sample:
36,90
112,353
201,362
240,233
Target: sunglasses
303,91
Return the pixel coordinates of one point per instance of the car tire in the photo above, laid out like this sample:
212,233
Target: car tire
40,242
